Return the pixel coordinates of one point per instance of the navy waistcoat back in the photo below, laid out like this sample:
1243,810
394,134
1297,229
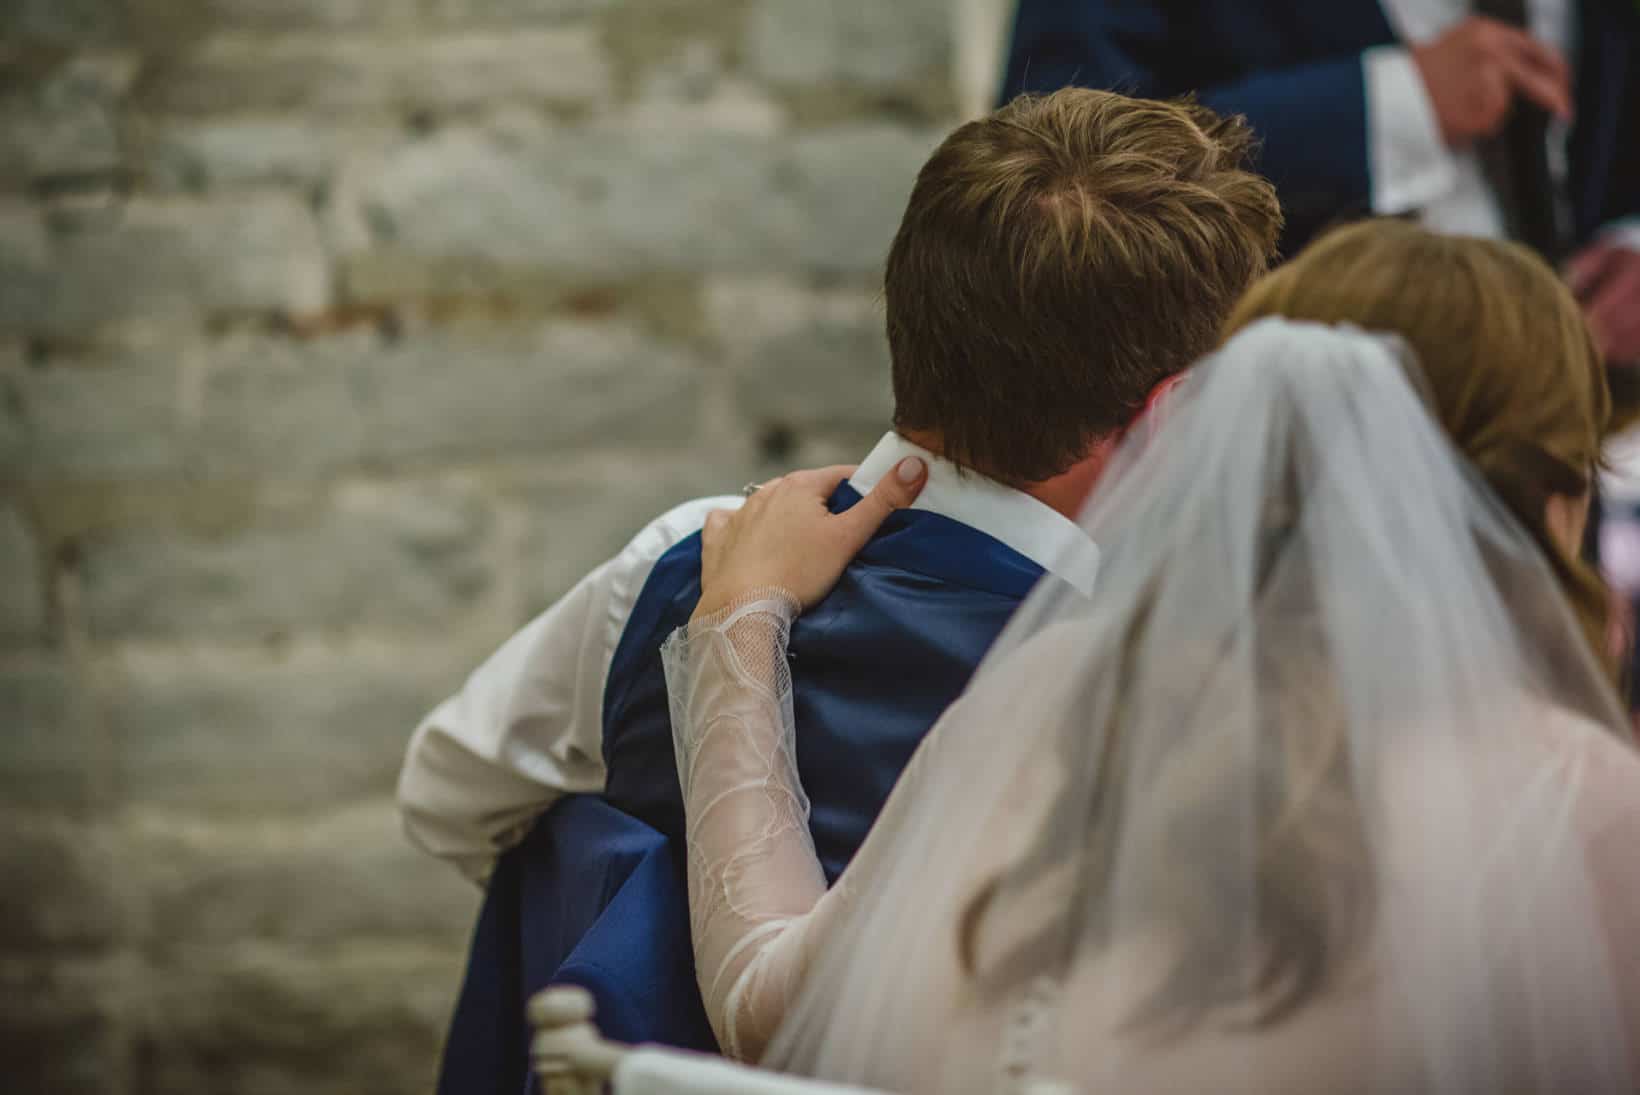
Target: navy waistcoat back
597,896
873,666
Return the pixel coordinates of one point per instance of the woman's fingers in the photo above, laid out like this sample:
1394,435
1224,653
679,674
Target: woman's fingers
819,481
784,537
896,490
717,523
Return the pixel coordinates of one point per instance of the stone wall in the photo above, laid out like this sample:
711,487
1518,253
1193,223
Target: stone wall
337,337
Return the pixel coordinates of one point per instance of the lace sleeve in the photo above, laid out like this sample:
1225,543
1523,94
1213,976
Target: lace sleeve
753,874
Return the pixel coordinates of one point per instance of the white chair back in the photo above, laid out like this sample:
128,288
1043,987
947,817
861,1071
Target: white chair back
571,1057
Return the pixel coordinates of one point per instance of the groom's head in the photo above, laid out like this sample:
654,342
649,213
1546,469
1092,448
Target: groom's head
1060,259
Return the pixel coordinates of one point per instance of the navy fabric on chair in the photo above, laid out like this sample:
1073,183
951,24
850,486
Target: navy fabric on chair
645,992
585,873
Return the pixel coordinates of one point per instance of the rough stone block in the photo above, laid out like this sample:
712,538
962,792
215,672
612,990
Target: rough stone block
114,419
281,15
277,15
66,123
605,202
573,385
64,22
613,200
60,1024
480,12
301,408
372,558
321,72
22,581
161,261
222,732
576,523
278,406
858,42
62,883
356,1019
695,88
852,183
202,154
347,875
806,359
25,254
48,756
597,203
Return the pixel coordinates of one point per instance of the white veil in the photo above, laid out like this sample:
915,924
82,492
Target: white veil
1320,791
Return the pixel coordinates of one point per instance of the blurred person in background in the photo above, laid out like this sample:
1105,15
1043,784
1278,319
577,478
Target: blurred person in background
1059,263
1498,118
1515,119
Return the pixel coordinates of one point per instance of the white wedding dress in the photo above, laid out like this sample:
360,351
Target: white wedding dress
1320,792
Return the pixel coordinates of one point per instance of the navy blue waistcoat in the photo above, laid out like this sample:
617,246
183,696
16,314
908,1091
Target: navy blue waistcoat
597,896
873,666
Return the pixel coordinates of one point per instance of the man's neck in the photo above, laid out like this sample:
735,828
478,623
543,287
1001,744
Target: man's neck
1064,493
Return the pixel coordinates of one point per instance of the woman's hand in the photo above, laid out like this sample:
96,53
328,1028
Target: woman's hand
785,537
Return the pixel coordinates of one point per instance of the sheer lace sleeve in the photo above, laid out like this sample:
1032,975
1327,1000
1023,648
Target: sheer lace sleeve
758,903
753,874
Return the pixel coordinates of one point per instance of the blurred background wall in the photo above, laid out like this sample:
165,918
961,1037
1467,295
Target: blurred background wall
337,337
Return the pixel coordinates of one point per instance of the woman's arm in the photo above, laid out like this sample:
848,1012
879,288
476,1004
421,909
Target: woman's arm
754,878
758,901
755,885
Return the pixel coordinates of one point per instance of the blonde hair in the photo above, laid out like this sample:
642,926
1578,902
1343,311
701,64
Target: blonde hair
1515,376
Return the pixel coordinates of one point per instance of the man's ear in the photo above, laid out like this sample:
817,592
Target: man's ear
1161,391
1155,409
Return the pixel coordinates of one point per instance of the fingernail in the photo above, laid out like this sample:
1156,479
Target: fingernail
910,469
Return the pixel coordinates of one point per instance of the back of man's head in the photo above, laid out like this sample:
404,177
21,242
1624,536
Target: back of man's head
1058,259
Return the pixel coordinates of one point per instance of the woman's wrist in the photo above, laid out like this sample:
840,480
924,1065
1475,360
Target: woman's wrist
717,607
711,603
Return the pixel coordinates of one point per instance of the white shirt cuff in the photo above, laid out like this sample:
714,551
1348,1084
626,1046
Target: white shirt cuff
1410,164
1623,233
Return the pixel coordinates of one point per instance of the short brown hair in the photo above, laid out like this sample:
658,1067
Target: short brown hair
1058,259
1514,376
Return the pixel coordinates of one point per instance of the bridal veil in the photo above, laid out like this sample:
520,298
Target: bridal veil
1321,790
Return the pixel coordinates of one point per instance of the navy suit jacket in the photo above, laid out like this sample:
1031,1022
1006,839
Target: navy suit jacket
1293,67
597,896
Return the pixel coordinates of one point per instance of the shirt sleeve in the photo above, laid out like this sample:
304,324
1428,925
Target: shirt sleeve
1624,233
1410,165
527,726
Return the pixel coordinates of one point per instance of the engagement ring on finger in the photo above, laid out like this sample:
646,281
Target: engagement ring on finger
750,489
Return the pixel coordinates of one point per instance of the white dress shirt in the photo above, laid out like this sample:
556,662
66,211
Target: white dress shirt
527,726
1412,168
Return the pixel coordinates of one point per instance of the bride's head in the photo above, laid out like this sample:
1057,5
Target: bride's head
1513,372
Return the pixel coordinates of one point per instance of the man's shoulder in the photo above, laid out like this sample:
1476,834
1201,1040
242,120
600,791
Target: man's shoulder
662,569
674,526
636,568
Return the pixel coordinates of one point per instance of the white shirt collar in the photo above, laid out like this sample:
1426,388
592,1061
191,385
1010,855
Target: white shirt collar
1035,530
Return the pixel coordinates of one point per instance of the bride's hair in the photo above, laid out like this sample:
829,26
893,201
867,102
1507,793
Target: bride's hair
1514,375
